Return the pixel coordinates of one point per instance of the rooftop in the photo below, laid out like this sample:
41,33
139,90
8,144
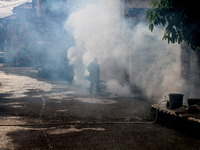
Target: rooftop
6,7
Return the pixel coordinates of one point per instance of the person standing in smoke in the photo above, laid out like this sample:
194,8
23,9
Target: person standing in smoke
94,75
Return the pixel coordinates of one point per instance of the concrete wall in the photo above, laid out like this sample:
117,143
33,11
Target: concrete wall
190,73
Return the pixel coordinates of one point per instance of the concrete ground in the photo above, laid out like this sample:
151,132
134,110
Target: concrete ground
37,114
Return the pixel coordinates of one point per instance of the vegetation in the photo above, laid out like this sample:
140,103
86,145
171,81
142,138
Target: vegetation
180,18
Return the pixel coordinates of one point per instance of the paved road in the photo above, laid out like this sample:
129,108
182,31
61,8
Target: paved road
39,114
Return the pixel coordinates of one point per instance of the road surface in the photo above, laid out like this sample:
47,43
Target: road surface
39,114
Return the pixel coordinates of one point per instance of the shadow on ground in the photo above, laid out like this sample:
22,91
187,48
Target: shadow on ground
54,119
98,137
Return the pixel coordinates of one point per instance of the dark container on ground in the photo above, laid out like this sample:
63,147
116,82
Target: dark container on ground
175,100
193,101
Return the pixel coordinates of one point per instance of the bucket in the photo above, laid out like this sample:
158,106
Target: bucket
175,100
193,101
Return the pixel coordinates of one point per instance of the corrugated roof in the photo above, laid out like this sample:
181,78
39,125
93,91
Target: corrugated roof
6,7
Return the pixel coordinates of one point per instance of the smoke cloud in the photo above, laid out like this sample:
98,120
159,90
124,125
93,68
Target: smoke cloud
129,54
40,40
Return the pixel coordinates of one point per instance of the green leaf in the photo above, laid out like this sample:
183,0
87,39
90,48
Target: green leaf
155,4
151,26
149,14
180,23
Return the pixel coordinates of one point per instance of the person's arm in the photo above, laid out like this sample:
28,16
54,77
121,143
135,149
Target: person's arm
89,67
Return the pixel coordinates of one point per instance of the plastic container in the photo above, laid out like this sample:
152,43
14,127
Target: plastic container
175,100
193,101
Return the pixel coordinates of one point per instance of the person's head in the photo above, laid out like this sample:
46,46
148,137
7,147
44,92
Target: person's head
96,60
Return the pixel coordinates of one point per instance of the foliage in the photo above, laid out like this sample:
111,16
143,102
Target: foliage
181,20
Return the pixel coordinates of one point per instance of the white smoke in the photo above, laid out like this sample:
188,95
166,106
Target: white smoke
127,55
94,31
116,88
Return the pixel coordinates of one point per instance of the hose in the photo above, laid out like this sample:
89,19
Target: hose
88,123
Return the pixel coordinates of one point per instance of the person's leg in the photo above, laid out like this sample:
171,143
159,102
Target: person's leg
98,86
91,87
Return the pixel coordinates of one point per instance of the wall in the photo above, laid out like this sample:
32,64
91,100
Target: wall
17,27
190,73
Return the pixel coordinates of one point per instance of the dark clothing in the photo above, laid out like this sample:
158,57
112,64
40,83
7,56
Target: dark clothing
94,70
94,75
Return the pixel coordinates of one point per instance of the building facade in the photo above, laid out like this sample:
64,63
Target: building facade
17,28
35,36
